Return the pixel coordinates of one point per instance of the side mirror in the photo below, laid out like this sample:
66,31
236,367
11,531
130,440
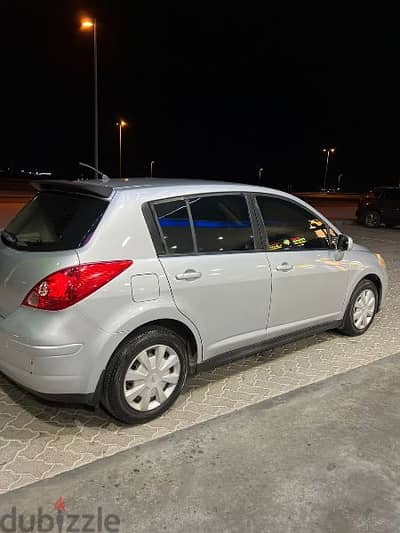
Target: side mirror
344,243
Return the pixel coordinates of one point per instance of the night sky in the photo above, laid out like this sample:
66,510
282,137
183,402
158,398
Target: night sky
209,89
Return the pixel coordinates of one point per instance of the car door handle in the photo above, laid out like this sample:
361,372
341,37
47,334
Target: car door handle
284,267
188,275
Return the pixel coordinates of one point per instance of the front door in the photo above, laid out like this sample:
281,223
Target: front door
218,280
309,278
390,206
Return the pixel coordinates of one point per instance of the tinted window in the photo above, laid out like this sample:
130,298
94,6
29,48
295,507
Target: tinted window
55,221
290,227
394,196
222,223
175,226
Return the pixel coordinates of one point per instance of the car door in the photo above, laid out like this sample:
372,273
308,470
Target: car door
392,215
385,205
218,278
309,277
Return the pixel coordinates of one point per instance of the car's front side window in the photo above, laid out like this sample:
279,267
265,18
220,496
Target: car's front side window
395,196
291,227
222,223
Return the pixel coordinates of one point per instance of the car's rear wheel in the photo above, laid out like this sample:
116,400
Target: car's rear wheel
361,309
372,219
145,375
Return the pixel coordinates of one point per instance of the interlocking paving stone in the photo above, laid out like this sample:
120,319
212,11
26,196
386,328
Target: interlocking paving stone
38,440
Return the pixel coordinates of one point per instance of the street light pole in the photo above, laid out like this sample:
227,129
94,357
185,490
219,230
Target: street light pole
152,163
260,171
121,124
120,151
87,24
96,99
328,151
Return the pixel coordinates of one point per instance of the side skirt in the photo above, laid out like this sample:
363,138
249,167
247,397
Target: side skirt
245,351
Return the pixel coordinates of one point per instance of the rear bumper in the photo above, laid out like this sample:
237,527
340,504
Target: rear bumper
69,371
92,399
361,212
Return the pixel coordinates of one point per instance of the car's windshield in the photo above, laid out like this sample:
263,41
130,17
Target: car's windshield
54,221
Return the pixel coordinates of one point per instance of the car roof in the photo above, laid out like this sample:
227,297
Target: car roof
148,187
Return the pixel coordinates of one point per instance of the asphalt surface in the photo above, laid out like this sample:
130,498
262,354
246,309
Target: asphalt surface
324,458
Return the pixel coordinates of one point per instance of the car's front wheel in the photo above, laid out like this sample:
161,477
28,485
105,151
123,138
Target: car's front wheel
361,309
145,375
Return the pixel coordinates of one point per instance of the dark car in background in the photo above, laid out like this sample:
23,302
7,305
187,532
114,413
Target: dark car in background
380,206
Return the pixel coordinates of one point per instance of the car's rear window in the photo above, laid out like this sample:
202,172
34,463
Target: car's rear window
54,221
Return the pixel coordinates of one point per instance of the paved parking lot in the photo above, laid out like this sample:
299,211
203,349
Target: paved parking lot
38,440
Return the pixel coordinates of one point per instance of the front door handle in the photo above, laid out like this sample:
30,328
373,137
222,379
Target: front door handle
284,267
188,275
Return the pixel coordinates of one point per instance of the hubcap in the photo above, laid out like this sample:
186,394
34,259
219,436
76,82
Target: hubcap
371,219
152,377
364,309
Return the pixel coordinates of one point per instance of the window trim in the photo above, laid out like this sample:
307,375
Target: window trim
264,231
186,198
163,250
152,225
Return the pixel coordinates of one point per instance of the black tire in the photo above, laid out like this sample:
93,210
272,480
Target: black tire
372,219
114,399
348,327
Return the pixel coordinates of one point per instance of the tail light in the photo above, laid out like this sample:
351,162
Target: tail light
367,198
70,285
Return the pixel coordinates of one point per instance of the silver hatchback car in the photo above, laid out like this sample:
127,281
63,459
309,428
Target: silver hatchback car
116,292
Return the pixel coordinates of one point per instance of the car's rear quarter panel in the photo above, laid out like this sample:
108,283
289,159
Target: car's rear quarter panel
123,234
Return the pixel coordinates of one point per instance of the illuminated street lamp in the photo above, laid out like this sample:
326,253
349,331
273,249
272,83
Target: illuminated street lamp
328,152
121,124
90,24
260,172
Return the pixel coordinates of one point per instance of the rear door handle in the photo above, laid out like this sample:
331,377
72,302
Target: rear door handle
188,275
284,267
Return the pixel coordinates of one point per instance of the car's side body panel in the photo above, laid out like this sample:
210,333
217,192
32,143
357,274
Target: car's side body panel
311,293
229,303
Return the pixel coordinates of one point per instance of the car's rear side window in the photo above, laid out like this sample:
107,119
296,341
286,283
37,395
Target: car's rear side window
173,220
55,222
222,223
205,224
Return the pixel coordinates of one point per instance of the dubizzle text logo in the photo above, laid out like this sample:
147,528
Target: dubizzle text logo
59,521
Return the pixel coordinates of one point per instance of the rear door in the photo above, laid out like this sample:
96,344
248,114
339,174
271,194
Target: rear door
385,205
392,214
219,280
42,239
309,278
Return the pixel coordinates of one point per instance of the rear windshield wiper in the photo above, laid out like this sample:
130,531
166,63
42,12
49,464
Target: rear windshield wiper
10,238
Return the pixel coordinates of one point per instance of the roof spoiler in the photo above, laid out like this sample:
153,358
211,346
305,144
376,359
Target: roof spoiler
100,189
